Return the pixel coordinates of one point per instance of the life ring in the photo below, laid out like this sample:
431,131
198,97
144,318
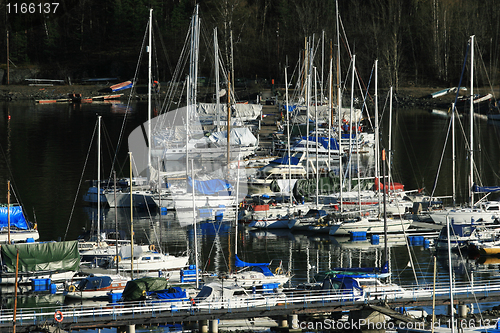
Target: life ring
58,316
151,247
72,288
119,258
193,301
278,270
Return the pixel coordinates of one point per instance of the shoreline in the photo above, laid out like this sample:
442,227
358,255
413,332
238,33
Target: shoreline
406,97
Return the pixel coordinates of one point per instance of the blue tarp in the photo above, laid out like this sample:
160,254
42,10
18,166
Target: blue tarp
284,160
209,187
240,263
291,107
95,282
173,293
17,219
485,189
324,142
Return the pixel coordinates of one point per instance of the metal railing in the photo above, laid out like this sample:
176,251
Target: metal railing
306,298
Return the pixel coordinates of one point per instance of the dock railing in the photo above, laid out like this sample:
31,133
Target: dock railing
304,298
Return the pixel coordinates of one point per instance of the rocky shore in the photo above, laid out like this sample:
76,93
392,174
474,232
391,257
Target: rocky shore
407,97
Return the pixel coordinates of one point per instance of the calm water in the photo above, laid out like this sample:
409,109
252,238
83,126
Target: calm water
48,154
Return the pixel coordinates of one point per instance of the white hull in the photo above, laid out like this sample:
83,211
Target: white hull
185,201
19,236
281,223
372,227
27,277
153,262
464,216
139,199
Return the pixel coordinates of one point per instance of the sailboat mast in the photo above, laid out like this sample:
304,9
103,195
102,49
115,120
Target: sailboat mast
217,82
288,136
116,225
99,180
471,121
194,227
149,88
330,108
448,235
131,222
228,127
390,142
351,119
8,212
453,157
339,107
377,142
316,129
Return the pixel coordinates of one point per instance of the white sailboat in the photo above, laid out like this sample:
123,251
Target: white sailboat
483,212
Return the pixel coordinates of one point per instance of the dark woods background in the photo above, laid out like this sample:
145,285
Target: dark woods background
417,42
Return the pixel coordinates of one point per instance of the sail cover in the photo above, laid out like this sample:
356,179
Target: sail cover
240,263
35,257
209,187
17,219
485,189
239,136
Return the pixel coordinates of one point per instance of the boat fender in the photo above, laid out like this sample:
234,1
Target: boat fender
278,270
58,316
72,288
151,247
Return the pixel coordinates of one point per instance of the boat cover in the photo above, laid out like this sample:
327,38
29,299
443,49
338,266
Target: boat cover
239,136
240,263
284,160
394,186
332,143
307,187
137,288
17,219
95,282
173,293
485,189
209,187
35,257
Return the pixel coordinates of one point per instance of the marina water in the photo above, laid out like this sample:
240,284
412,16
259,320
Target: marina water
49,154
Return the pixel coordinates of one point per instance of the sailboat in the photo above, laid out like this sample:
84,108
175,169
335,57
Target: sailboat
14,226
481,212
163,145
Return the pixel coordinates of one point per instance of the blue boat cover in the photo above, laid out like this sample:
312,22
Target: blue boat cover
259,267
485,189
173,293
209,187
17,219
95,283
284,160
332,143
291,107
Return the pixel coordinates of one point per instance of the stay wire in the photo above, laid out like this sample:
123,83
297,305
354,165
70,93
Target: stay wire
81,180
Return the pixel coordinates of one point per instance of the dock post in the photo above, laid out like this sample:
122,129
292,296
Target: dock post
126,329
283,322
214,326
463,310
293,321
203,326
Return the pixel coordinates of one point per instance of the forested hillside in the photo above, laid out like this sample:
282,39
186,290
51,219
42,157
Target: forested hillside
418,42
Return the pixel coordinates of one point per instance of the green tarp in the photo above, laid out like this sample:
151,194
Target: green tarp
307,187
34,257
135,289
